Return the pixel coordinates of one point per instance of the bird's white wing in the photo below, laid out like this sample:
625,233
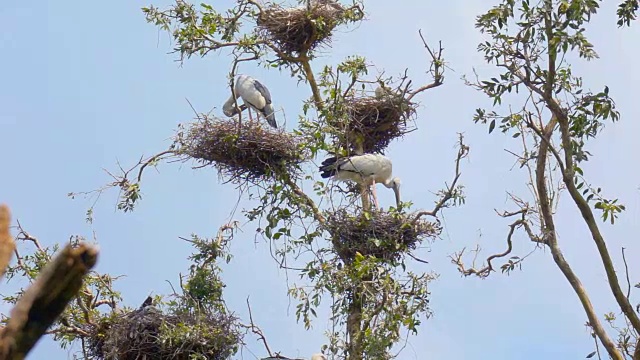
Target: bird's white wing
366,165
363,164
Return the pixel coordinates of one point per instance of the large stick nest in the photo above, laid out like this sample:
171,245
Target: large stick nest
374,121
302,28
240,153
384,235
148,333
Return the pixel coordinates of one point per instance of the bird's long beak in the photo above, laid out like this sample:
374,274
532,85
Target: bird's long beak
396,190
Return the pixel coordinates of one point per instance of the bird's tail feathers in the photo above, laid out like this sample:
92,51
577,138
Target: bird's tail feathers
329,161
328,167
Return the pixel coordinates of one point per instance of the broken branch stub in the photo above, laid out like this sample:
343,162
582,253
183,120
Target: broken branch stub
42,303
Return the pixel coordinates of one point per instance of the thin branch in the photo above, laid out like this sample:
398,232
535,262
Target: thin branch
305,199
257,331
626,272
463,151
436,68
151,160
485,271
46,299
417,258
23,235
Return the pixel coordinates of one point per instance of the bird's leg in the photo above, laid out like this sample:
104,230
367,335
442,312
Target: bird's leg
366,199
250,118
375,196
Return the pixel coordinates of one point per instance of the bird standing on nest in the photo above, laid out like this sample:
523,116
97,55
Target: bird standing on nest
255,96
366,170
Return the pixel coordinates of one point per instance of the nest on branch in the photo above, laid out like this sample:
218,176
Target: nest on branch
148,333
245,152
384,235
299,29
374,121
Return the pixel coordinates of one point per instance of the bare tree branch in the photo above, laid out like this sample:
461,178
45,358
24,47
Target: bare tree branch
436,68
485,271
257,331
463,151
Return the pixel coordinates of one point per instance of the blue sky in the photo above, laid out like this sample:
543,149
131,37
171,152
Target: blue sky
85,84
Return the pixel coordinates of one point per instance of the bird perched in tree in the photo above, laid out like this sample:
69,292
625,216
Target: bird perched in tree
254,95
385,92
382,90
366,170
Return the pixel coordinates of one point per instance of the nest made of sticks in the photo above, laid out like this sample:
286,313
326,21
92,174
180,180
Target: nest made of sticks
299,29
148,333
374,121
385,235
245,152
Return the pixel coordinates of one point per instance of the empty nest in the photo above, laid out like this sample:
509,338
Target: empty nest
249,153
381,234
299,29
148,333
373,122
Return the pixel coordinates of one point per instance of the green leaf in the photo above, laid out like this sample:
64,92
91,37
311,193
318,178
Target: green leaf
492,125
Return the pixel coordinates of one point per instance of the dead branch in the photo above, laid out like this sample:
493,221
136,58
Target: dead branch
257,331
463,151
436,68
485,271
46,299
7,244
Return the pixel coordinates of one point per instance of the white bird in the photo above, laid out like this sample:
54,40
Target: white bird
381,91
366,170
254,95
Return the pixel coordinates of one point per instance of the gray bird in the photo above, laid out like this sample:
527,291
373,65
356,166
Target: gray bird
254,96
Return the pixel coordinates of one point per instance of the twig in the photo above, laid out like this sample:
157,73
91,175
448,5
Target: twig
435,69
626,272
151,160
305,198
46,299
23,235
417,258
7,244
485,271
257,331
463,151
